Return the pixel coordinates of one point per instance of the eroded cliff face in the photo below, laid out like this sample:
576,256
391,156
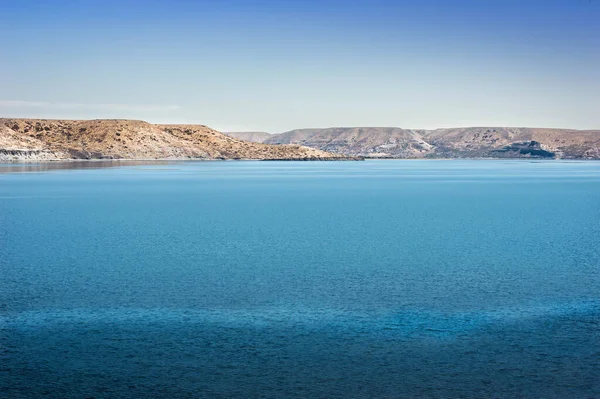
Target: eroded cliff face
515,143
40,139
471,142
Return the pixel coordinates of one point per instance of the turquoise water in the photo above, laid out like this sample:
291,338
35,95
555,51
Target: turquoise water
385,279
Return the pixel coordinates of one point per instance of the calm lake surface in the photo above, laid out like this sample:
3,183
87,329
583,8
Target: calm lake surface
375,279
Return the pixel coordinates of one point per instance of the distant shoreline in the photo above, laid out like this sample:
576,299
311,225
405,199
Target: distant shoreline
181,160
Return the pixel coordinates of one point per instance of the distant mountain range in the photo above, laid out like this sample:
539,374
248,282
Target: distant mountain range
470,142
42,139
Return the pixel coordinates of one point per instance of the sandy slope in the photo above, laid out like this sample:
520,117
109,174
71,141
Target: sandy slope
129,139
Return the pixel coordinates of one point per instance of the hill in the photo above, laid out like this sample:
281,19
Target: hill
470,142
41,139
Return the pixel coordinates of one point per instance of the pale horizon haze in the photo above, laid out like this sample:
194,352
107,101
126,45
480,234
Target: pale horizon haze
280,65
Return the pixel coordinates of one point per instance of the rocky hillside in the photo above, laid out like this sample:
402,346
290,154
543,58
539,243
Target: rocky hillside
369,141
472,142
38,139
516,143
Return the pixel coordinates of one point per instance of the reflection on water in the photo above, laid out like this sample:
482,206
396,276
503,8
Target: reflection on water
62,165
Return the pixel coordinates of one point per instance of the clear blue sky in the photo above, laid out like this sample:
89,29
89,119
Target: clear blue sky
279,65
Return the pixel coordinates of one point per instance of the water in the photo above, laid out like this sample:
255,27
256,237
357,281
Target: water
375,279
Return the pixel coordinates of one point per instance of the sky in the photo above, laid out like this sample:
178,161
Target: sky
243,65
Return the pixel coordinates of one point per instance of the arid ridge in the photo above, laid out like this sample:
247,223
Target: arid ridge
470,142
43,139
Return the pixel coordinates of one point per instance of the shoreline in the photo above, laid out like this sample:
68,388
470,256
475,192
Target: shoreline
341,159
93,160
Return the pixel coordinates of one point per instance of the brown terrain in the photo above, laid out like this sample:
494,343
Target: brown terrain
42,139
470,142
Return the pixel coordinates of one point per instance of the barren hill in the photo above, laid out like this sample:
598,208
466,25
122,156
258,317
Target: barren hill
471,142
369,141
40,139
